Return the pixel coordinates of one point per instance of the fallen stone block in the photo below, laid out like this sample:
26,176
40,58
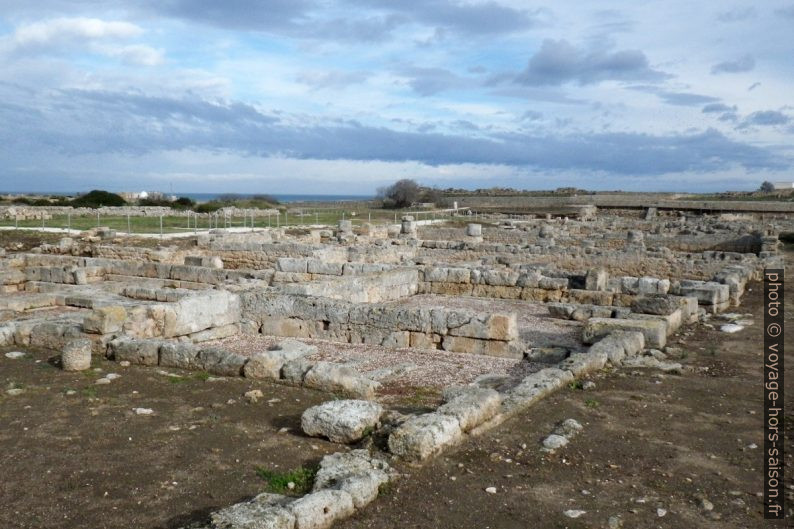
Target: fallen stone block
661,305
341,421
334,378
268,364
221,362
423,436
179,355
654,331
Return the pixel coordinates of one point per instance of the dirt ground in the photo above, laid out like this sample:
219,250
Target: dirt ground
650,441
87,460
653,448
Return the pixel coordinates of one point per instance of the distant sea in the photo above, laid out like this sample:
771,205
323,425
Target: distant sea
206,197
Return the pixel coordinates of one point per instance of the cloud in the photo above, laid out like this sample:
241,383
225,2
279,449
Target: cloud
742,64
765,118
99,122
718,107
320,80
137,54
56,33
738,14
469,18
558,62
431,81
685,98
251,15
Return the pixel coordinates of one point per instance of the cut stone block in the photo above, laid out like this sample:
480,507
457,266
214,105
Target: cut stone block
654,331
341,421
423,436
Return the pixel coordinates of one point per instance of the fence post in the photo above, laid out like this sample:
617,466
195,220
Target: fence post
69,222
161,226
97,218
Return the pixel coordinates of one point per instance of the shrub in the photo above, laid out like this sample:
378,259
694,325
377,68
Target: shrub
97,198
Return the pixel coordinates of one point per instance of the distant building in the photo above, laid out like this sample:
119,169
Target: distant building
779,186
131,196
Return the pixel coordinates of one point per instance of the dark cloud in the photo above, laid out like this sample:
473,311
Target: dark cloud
765,118
742,64
85,122
685,98
558,62
471,18
255,15
718,107
332,79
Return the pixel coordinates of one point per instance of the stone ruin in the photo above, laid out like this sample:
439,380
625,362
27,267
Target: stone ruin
612,286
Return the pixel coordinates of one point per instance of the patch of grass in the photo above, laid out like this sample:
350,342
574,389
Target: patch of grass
422,395
591,403
576,384
712,350
90,392
174,379
202,375
278,482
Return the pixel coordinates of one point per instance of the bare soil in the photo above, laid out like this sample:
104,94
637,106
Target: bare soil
650,441
87,460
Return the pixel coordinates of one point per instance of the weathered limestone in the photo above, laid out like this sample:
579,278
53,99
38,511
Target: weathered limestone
76,355
654,331
472,407
268,364
425,435
105,320
334,378
341,421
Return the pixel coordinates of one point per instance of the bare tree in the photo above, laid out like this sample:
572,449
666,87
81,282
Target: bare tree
767,187
400,194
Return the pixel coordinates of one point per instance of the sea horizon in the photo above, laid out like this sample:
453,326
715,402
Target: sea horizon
206,197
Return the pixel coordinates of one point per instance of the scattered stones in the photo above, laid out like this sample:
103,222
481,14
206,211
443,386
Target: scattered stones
574,513
731,328
14,355
143,411
490,490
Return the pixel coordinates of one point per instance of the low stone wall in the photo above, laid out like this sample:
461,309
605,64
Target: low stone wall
394,326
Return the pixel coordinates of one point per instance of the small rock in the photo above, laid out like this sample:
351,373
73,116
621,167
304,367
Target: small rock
706,505
112,376
254,395
14,355
661,512
490,490
574,513
731,328
102,381
143,411
588,384
15,391
70,392
614,522
124,363
554,441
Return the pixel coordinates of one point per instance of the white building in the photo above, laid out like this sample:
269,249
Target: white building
783,185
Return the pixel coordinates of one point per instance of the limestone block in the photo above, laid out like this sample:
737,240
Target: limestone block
654,331
355,472
656,304
143,352
334,378
265,511
341,421
463,344
105,320
707,293
180,355
221,362
76,355
472,407
423,436
291,264
319,510
596,279
268,364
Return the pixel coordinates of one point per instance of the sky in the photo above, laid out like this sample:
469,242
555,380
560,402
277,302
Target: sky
344,97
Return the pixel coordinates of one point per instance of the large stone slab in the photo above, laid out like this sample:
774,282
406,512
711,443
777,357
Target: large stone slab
654,331
425,435
341,421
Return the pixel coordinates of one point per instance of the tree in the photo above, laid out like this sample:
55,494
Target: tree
400,194
97,198
767,187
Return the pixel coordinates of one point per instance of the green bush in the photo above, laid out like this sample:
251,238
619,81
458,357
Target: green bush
98,198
